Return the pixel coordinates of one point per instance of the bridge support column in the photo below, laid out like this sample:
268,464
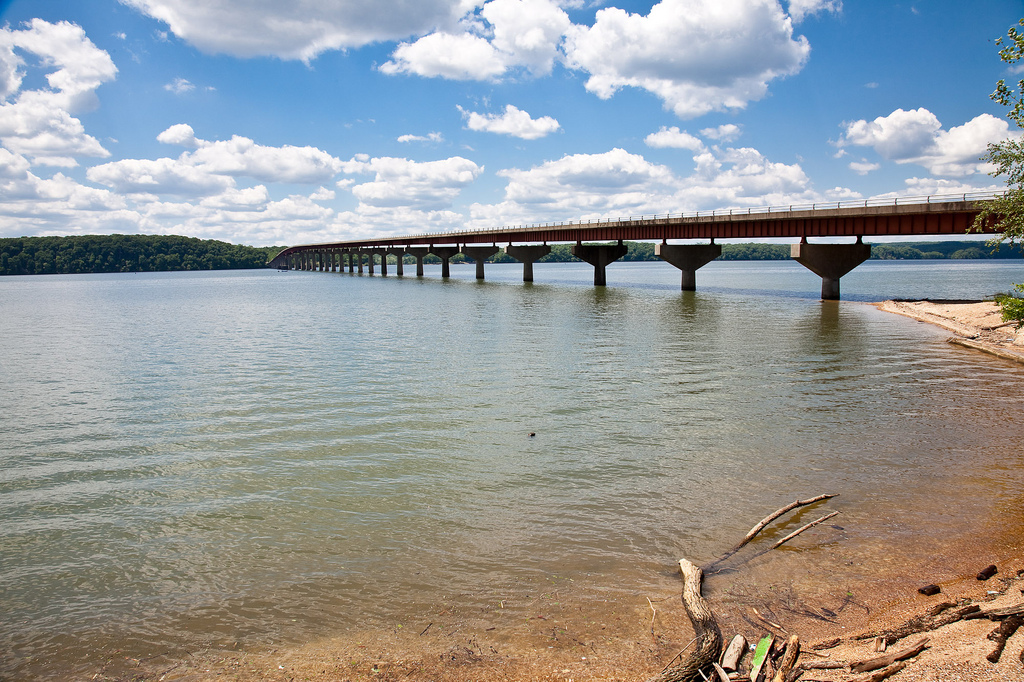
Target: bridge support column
478,254
383,253
359,261
444,253
599,255
830,262
527,254
689,258
418,252
370,261
399,254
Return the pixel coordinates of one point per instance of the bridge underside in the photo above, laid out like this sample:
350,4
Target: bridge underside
909,219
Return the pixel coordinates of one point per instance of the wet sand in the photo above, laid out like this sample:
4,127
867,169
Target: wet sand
563,631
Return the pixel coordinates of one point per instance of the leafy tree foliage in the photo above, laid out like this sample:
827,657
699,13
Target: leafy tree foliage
1007,212
125,253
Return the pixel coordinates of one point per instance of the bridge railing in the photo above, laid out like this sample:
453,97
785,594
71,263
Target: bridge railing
752,210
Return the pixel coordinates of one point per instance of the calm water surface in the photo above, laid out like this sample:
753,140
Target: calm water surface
262,457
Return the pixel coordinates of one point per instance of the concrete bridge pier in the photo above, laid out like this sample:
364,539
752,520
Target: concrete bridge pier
830,262
399,254
444,253
599,255
527,254
478,254
689,258
419,253
383,253
359,261
351,260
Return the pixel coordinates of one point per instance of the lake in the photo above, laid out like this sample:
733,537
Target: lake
262,457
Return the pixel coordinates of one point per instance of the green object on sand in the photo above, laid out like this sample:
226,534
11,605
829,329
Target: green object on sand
760,654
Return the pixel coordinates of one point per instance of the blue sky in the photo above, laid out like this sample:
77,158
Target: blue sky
266,122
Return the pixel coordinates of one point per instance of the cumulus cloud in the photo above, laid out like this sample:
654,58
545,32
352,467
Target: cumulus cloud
505,34
39,123
729,132
917,136
179,86
618,183
673,137
426,186
697,56
801,9
179,134
300,29
513,121
434,137
863,167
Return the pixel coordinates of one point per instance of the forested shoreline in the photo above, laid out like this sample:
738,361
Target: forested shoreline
125,253
165,253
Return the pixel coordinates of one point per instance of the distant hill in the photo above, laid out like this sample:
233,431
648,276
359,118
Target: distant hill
126,253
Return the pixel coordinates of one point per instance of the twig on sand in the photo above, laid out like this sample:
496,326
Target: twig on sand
801,530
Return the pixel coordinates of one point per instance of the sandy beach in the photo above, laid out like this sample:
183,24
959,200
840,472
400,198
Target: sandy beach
560,637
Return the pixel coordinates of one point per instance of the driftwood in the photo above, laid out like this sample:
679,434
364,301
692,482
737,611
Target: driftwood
709,638
801,530
733,653
987,572
889,659
997,614
1004,632
822,665
752,533
880,675
925,623
788,659
720,673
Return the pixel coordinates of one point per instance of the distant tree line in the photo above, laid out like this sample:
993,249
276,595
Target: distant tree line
153,253
125,253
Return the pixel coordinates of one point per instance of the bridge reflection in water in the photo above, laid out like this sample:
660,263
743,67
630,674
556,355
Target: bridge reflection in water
906,216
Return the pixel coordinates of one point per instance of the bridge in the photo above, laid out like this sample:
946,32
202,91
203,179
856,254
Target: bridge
905,216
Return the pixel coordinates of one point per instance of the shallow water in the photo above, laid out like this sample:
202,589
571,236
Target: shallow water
261,457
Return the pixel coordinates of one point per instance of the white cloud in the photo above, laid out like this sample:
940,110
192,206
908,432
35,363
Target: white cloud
427,186
729,132
696,55
618,183
863,167
179,86
39,123
801,9
434,137
917,136
159,177
505,34
179,134
513,121
240,157
456,57
673,137
299,29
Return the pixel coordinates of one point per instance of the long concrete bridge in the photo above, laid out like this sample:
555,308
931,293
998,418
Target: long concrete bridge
906,216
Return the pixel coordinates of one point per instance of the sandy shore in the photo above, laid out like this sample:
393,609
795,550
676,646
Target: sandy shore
572,642
976,324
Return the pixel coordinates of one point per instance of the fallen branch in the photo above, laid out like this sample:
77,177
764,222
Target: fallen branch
880,675
709,637
788,659
822,665
922,624
889,659
801,530
1004,632
752,533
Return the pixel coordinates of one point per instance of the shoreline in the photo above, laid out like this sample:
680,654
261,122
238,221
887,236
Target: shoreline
574,639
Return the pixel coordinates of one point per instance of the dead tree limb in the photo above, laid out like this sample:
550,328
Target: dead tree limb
880,675
709,637
1004,632
889,659
788,659
801,530
922,624
752,533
